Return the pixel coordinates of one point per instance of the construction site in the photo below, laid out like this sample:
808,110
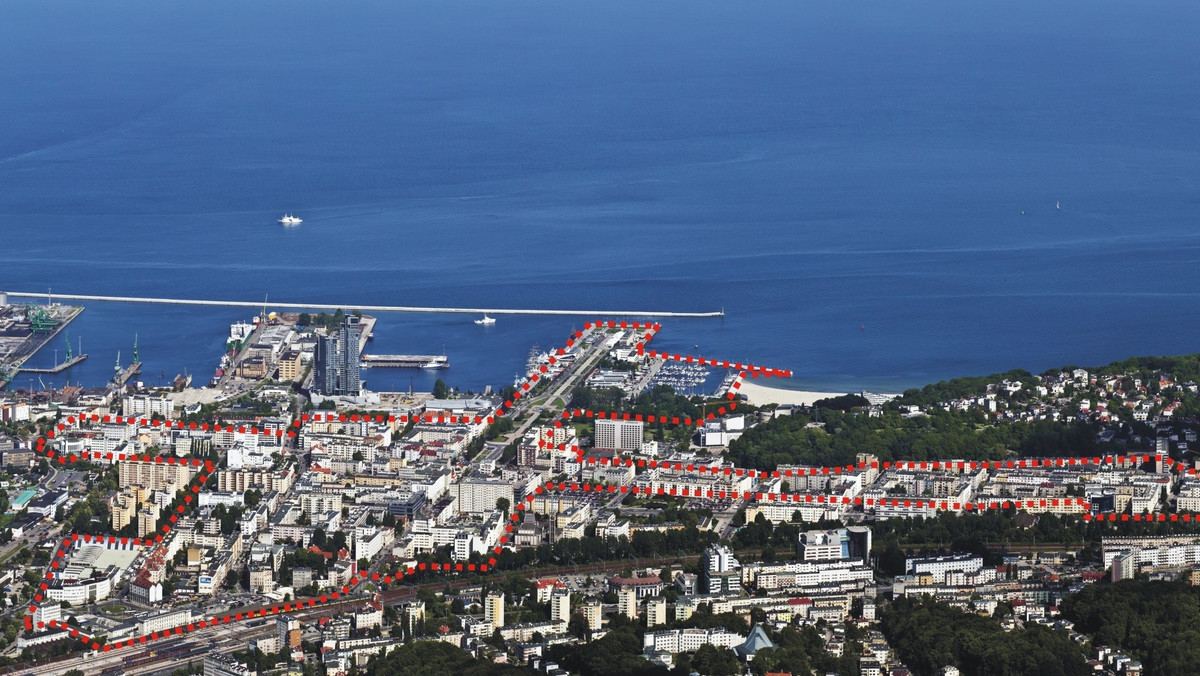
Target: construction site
26,329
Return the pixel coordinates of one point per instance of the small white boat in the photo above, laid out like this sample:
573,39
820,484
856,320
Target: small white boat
289,219
486,320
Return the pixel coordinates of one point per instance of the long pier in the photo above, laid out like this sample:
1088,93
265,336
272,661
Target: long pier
369,308
405,361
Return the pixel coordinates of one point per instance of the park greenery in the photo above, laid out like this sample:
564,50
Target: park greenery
642,545
323,320
435,658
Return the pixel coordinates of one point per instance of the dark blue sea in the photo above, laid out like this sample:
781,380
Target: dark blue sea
868,189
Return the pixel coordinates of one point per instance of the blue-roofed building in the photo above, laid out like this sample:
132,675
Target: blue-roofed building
756,641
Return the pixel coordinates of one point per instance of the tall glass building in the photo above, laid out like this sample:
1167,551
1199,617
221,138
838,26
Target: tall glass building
335,367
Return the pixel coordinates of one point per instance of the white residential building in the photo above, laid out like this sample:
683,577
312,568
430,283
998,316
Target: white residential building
619,435
689,640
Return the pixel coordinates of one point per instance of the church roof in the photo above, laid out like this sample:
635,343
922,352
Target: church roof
756,641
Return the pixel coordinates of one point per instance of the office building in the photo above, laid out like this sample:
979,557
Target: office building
842,544
719,570
938,566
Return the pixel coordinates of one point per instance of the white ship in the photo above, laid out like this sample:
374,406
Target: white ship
289,219
486,320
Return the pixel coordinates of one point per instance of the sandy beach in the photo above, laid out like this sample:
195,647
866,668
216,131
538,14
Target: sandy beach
760,394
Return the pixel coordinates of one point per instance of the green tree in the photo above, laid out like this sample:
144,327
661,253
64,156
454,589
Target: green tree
578,627
713,661
441,390
252,497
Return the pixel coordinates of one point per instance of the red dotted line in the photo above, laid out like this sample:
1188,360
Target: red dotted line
534,377
56,563
1174,464
570,414
755,371
677,420
671,420
300,604
575,487
160,422
193,489
1158,516
900,464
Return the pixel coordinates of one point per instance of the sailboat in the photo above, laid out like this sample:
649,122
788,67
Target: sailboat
1058,206
486,321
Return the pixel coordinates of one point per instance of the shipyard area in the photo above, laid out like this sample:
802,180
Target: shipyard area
26,329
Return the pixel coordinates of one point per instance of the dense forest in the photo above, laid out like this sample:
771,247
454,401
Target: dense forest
619,653
928,635
1157,623
941,434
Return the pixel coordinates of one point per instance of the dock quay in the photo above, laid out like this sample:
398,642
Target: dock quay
405,361
372,308
128,372
367,330
58,368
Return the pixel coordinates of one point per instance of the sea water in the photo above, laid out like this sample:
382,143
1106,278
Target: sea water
869,189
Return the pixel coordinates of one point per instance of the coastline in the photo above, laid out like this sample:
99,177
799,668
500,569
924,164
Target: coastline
759,395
